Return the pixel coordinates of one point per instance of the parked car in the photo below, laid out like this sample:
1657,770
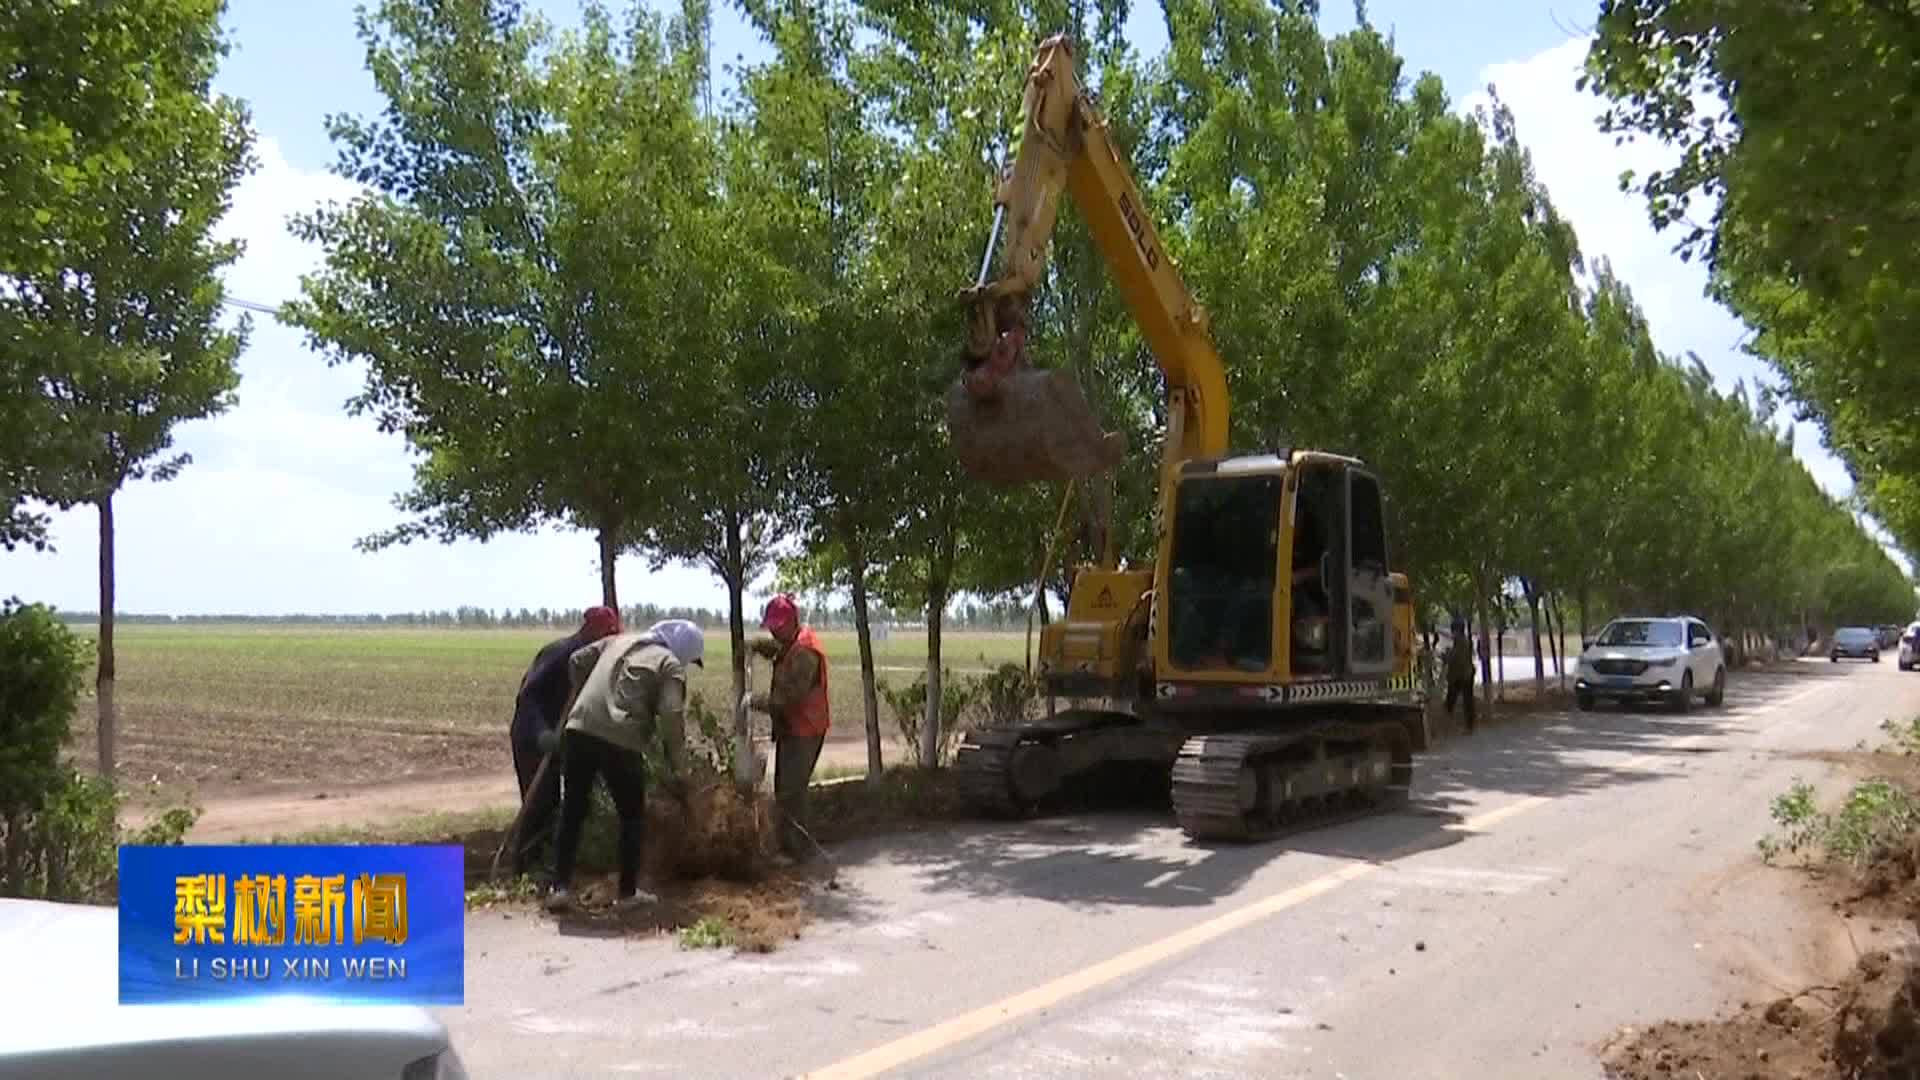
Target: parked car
1670,659
1855,642
60,995
1909,657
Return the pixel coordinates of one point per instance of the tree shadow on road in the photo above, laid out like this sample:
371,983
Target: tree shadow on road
1100,856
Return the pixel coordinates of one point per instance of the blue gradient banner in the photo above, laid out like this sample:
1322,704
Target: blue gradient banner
360,924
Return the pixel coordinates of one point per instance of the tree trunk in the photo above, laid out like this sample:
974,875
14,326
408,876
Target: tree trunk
1539,664
1558,621
1486,655
103,683
930,726
863,630
1500,629
1029,642
1584,624
939,589
735,575
609,552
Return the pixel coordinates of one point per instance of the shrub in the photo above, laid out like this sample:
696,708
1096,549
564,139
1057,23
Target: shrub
1877,818
1906,736
59,828
69,849
1003,696
909,709
42,665
710,744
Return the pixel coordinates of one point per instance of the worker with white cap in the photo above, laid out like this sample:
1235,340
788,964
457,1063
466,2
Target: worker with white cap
629,689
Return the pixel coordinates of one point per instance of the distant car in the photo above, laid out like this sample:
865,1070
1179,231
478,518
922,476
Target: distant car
1855,642
1909,657
1669,659
59,992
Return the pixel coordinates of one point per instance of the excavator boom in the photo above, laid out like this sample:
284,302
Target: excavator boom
1014,423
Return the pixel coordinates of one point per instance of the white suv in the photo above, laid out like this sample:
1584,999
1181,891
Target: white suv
1910,648
1671,659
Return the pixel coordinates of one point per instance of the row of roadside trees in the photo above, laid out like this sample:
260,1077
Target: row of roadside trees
769,278
715,327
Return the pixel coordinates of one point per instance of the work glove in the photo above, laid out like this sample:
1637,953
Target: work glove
759,702
766,647
548,740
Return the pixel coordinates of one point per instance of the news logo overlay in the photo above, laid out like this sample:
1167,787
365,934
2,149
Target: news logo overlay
354,924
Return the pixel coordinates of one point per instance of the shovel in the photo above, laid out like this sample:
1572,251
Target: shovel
550,741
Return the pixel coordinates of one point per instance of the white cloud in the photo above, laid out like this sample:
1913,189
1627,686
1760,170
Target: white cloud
283,484
1581,166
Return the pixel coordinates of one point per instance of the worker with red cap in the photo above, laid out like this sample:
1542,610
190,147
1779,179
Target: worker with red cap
797,705
536,723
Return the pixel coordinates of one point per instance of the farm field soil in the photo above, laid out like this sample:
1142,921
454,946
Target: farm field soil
221,711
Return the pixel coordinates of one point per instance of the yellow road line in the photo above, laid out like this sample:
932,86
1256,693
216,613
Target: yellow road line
967,1025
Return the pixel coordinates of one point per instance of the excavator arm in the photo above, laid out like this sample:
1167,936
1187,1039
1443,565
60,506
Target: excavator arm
1012,422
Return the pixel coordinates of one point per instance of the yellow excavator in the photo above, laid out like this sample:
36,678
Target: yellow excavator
1264,661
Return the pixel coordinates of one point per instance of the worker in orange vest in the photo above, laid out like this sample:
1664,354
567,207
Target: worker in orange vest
797,705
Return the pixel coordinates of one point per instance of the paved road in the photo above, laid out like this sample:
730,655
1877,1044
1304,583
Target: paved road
1550,882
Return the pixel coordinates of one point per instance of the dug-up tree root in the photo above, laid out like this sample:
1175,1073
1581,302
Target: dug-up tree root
718,831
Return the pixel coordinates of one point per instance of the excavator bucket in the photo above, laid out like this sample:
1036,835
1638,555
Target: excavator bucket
1037,426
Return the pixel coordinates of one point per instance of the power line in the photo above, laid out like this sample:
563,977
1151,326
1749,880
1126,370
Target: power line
264,309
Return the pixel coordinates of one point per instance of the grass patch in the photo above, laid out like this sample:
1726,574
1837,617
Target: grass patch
1875,821
1875,830
513,891
708,933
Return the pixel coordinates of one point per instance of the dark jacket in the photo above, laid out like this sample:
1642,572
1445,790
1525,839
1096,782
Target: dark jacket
544,689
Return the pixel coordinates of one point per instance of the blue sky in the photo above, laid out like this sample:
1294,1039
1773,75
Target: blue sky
264,520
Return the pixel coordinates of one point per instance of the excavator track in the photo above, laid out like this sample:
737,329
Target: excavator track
983,766
1258,785
1006,772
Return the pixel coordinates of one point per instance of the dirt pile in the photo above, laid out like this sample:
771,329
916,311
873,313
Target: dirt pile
719,833
1039,428
1866,1028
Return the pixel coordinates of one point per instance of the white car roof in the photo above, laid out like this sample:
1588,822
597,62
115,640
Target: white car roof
59,992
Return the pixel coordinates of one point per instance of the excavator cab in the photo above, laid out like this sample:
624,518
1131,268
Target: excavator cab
1278,570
